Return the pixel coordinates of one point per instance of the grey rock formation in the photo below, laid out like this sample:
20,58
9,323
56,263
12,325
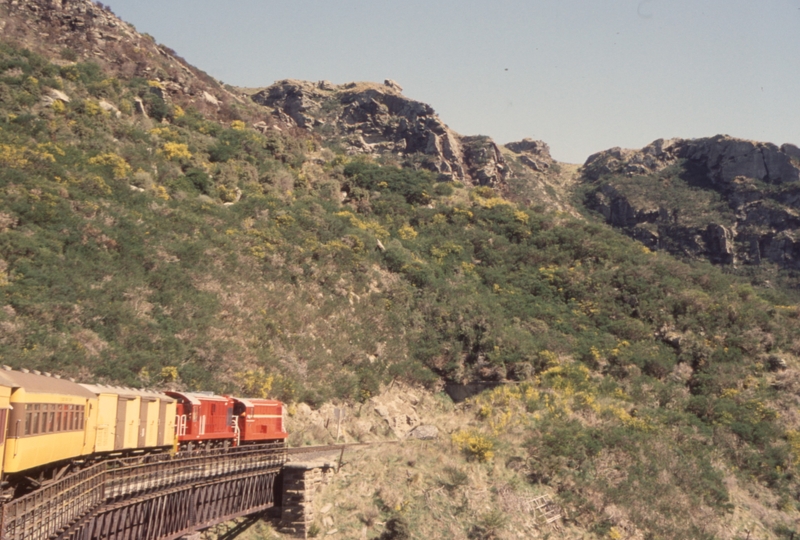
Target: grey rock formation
757,185
393,85
725,158
371,118
719,242
651,159
424,433
776,362
140,108
58,95
110,108
210,99
620,211
533,154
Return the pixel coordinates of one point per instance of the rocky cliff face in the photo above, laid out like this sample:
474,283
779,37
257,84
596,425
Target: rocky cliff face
723,158
729,200
369,118
533,154
79,30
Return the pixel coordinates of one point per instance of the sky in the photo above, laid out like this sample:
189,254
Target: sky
581,75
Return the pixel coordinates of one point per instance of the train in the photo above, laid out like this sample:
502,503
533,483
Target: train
51,425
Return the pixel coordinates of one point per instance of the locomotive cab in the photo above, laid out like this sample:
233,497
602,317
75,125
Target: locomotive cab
259,420
203,419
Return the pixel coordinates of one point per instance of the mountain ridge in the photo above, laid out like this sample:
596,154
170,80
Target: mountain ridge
152,238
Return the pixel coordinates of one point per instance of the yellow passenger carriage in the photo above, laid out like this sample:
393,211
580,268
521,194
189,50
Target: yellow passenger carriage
51,421
5,408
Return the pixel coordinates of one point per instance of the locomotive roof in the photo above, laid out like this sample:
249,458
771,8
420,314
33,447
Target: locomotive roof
42,384
252,402
245,402
195,398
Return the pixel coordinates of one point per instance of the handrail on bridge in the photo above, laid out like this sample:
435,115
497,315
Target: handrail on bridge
43,513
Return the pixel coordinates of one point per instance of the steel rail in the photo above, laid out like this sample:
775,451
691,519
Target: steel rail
332,447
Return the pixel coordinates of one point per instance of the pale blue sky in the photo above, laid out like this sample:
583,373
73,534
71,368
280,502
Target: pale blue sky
581,75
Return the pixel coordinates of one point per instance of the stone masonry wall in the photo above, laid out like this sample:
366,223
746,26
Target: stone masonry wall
300,482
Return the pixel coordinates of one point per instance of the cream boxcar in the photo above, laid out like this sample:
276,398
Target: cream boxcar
156,419
132,420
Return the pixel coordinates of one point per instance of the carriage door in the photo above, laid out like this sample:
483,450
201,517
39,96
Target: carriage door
162,422
143,406
119,436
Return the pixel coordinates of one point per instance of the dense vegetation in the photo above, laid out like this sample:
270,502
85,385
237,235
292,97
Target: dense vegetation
177,251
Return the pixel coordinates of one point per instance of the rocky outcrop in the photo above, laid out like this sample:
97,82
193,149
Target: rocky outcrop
425,432
80,20
719,242
727,159
723,158
533,154
650,159
756,186
80,30
398,411
620,211
377,119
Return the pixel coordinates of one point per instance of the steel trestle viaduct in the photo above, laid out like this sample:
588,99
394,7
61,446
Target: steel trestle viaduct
151,497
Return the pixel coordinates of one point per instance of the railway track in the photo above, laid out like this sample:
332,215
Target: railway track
316,452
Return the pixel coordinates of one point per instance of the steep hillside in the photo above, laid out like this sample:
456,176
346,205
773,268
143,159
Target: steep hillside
727,200
69,31
368,119
321,243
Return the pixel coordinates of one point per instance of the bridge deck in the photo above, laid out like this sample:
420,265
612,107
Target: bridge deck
148,497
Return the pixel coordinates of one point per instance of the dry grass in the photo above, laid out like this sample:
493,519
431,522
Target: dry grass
414,482
428,485
438,493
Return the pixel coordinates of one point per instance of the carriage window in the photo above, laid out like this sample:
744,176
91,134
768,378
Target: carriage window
41,418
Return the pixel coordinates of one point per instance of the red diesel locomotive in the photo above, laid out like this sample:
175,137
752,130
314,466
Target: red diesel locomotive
205,419
259,420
